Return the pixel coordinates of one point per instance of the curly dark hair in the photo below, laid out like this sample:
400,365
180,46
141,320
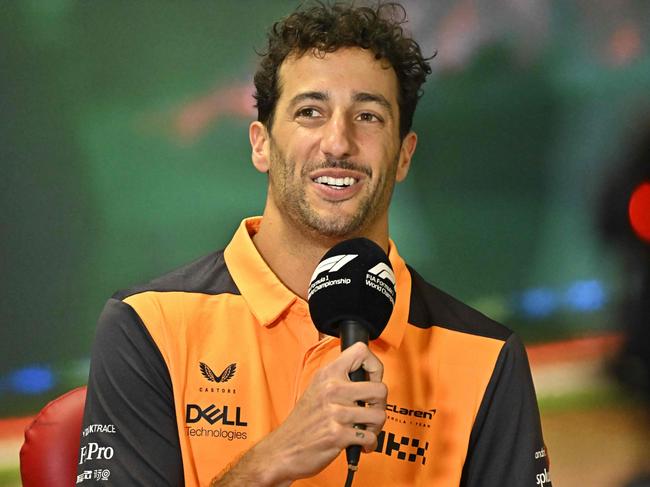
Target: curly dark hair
326,28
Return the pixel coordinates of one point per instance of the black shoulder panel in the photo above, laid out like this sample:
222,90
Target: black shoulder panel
207,275
432,307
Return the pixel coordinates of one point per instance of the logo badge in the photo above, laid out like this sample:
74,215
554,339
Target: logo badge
382,271
332,264
405,448
415,417
94,451
212,414
225,376
543,478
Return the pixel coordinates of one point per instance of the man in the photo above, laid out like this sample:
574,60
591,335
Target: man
214,374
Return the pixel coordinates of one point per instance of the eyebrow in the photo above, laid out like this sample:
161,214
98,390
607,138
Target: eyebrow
364,97
309,95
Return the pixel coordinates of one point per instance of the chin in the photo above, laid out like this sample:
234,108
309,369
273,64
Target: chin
335,226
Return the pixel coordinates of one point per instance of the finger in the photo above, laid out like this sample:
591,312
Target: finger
372,418
366,439
356,356
374,394
373,447
350,359
374,367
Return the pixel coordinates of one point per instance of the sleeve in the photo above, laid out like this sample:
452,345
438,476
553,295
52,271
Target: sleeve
506,448
129,434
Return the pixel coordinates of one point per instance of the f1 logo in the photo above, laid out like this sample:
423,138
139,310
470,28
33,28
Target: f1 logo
332,264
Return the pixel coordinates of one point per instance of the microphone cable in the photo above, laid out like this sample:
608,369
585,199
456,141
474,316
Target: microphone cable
350,477
353,453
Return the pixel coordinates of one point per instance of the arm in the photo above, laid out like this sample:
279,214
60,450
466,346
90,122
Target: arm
506,448
129,431
319,427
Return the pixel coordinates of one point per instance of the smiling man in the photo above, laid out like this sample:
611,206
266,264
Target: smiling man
214,374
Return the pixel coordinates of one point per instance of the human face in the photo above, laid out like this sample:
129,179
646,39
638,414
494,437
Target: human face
334,151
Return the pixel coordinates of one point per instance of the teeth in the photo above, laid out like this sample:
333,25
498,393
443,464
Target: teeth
336,182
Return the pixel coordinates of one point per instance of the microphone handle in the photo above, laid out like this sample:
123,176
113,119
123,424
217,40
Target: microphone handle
352,332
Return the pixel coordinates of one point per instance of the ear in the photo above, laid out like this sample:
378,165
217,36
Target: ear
405,155
259,138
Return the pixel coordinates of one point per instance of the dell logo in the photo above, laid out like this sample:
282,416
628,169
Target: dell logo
212,414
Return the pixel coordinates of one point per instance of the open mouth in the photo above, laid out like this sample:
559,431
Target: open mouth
335,183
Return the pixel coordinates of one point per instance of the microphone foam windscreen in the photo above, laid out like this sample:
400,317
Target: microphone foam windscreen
353,281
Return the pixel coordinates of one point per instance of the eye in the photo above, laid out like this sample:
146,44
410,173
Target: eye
368,117
308,112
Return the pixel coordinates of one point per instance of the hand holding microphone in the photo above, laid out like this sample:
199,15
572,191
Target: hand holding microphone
320,425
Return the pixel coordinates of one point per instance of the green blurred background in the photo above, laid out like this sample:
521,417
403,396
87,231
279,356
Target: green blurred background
123,131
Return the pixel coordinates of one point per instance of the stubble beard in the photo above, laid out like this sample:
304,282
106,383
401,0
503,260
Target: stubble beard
290,196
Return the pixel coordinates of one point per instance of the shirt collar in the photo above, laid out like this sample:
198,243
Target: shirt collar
268,298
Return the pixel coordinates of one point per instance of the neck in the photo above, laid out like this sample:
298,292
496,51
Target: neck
293,253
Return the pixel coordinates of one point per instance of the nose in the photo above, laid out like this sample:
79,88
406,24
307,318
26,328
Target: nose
338,138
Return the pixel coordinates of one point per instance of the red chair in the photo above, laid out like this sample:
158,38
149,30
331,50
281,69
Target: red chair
50,453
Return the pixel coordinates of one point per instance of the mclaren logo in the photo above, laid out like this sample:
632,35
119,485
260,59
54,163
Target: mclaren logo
382,271
225,376
415,417
332,264
411,412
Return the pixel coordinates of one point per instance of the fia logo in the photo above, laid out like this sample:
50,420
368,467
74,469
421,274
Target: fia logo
225,376
382,271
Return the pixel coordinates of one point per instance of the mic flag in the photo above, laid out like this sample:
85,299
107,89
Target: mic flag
353,281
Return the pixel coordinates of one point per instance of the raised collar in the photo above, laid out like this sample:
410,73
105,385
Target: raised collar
268,298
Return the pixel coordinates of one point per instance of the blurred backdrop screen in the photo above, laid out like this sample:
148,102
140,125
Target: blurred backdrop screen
124,134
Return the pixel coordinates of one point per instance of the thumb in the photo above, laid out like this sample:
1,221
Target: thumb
355,357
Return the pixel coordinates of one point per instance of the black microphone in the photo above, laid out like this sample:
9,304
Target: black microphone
351,295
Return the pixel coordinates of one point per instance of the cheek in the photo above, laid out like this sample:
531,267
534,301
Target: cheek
377,141
302,151
307,147
387,157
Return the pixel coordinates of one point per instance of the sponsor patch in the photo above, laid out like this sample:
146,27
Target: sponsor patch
230,435
227,373
543,478
94,451
212,414
407,449
414,417
97,475
98,428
